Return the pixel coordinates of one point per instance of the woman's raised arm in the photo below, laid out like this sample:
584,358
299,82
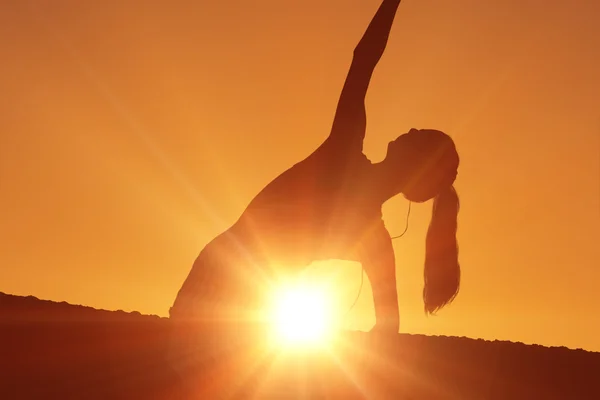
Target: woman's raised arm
350,122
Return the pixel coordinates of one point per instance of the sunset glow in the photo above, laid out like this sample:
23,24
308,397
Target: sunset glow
135,133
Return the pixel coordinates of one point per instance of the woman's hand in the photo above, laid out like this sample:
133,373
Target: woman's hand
388,326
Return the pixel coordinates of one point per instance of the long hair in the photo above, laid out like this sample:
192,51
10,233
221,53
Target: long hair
442,270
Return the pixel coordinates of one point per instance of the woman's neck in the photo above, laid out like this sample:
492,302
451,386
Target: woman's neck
389,182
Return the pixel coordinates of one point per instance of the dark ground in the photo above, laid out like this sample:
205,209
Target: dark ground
54,350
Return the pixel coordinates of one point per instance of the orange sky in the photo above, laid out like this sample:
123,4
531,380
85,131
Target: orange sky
131,135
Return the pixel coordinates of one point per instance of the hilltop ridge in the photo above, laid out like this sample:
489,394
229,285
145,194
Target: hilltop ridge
58,350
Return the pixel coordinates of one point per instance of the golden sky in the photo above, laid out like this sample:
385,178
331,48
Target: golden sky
131,135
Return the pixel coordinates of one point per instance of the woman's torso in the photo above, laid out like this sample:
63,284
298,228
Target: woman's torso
318,209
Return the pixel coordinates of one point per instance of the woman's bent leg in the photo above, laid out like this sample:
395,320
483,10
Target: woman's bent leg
209,319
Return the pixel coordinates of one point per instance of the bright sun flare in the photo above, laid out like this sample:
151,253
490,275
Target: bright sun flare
302,315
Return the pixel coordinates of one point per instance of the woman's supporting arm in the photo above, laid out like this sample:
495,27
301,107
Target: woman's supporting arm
378,260
350,122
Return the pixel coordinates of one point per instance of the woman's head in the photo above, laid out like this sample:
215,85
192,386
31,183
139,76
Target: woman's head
426,163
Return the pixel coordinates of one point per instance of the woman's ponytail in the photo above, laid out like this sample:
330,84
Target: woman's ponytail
442,270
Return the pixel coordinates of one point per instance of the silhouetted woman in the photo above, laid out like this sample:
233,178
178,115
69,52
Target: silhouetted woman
328,206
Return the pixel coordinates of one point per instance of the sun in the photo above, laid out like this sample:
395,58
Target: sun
302,315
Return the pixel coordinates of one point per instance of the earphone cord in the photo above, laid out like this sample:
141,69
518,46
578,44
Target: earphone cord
406,226
362,271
